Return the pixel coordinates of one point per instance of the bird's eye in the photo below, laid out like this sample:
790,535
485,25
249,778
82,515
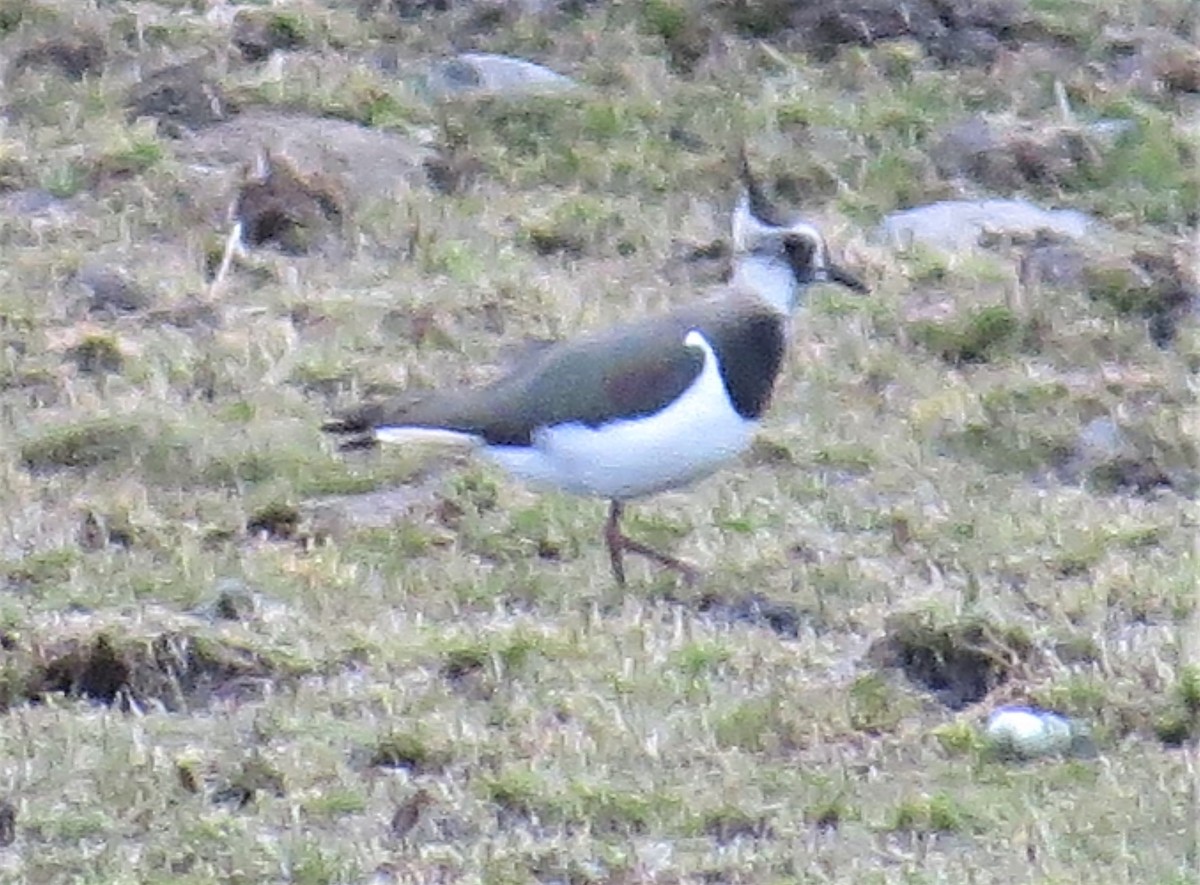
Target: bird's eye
799,251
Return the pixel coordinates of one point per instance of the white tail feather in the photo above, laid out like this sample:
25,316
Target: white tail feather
426,436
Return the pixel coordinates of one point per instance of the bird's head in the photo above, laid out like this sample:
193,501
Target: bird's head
761,231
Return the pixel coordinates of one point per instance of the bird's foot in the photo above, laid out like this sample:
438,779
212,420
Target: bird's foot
619,544
624,544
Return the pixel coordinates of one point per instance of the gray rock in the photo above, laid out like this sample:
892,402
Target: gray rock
955,32
978,149
966,46
1100,440
184,98
369,164
234,601
1110,129
1004,154
1015,732
33,202
1153,60
258,32
111,289
958,225
485,73
965,139
75,55
1113,459
1053,264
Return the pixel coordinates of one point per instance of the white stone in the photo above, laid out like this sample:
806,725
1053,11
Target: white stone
484,72
958,225
1027,732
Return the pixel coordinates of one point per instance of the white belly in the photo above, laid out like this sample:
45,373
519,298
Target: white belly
691,438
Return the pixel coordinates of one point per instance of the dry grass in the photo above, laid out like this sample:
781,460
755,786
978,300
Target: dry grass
222,663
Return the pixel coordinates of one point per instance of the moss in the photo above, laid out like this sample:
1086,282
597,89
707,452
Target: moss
874,705
517,792
40,570
473,492
608,812
462,661
830,814
757,726
65,179
277,521
97,354
1179,723
698,660
1108,708
980,336
959,738
939,813
580,226
256,775
683,32
1149,174
754,18
1174,729
730,822
1151,287
1189,690
74,55
84,445
306,472
1004,447
133,159
408,750
257,33
15,13
333,803
849,458
174,669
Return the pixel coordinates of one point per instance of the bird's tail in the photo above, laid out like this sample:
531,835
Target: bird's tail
358,431
356,427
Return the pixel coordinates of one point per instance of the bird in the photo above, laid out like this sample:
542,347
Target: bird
408,814
640,408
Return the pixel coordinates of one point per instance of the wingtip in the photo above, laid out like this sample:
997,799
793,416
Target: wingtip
358,419
355,434
358,443
343,424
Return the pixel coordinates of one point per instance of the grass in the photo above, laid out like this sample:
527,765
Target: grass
229,653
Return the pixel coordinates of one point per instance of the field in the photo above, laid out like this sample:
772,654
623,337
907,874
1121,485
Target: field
232,653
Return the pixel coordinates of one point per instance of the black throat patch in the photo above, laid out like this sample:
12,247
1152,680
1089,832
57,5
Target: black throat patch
801,254
750,352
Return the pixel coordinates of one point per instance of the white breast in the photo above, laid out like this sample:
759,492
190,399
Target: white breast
691,438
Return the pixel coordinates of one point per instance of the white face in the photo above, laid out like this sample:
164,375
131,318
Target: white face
751,234
799,245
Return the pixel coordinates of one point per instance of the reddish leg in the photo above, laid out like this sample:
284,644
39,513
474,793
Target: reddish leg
619,544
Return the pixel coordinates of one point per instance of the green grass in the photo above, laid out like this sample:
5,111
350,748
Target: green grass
229,653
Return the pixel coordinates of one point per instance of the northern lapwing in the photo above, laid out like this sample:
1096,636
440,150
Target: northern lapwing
642,407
